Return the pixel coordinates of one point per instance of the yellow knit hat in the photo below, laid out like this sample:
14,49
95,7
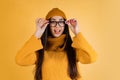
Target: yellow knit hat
55,12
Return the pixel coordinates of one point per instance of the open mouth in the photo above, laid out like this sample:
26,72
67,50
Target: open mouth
57,31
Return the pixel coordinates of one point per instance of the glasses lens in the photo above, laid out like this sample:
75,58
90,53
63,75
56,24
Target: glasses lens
54,23
61,23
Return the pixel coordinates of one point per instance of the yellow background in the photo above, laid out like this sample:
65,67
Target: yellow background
99,22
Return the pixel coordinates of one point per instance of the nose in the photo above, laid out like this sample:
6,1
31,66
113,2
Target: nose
57,25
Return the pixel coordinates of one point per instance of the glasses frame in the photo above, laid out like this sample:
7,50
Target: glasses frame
57,22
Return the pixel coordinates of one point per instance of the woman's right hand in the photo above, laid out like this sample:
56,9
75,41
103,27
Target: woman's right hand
41,25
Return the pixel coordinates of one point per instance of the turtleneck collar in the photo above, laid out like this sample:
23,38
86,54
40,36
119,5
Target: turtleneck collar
56,44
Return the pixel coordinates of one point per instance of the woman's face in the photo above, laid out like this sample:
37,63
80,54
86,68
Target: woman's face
57,25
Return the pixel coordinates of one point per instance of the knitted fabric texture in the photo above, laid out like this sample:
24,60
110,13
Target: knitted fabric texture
55,12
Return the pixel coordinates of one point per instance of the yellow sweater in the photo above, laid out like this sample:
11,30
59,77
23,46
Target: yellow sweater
55,63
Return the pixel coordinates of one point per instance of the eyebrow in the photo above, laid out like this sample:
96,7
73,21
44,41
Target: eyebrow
55,19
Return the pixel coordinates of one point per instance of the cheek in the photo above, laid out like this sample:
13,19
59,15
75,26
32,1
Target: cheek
63,29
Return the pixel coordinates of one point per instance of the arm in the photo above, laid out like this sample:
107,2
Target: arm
26,55
84,52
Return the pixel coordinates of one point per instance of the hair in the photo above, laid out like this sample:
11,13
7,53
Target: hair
71,55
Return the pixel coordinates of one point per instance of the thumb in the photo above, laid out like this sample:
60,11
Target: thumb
45,25
68,23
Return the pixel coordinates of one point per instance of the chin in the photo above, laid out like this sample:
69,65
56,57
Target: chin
57,35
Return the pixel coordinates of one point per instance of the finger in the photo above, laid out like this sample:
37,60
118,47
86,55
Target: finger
40,20
45,23
74,20
37,20
67,22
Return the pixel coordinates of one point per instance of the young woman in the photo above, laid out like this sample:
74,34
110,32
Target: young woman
52,50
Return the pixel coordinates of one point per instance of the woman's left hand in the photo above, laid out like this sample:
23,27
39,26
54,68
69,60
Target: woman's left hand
73,24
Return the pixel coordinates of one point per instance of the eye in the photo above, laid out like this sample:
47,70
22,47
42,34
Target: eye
52,21
61,21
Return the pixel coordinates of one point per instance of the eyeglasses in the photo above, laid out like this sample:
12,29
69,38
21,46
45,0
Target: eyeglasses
54,23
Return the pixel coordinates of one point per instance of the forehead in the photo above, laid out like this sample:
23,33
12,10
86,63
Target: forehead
57,18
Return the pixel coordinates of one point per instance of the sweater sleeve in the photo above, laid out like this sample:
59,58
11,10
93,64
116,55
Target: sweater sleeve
27,55
84,52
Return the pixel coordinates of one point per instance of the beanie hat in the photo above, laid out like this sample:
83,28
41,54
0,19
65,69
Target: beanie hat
55,12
